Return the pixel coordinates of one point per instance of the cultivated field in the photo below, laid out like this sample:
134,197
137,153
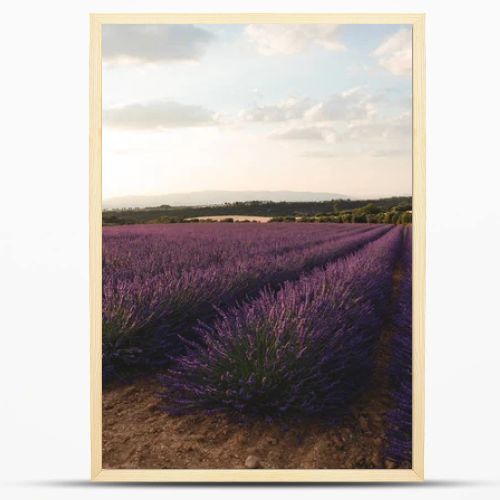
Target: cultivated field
236,218
286,343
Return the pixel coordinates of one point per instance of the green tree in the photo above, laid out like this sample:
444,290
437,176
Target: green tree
371,208
406,218
358,218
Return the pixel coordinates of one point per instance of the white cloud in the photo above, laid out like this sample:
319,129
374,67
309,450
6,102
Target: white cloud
376,136
126,43
290,109
157,115
348,119
353,104
389,130
272,39
395,53
386,153
299,134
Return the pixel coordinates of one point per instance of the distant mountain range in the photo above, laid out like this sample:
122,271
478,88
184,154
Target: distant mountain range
202,198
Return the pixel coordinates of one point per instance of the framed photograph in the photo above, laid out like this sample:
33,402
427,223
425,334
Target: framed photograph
257,247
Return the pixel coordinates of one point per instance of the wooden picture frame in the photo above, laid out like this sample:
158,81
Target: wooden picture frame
242,475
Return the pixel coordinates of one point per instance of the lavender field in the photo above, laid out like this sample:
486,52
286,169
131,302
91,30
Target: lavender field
267,322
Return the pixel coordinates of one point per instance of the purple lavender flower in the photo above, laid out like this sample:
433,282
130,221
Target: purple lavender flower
400,369
306,348
160,280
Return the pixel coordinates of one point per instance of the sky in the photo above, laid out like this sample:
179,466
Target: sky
320,108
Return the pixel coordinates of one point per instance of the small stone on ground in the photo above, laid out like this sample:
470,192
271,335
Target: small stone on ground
252,462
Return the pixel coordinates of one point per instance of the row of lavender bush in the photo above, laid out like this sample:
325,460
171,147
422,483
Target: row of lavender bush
307,348
185,246
400,368
148,302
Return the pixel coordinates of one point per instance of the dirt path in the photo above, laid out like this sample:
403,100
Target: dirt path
138,434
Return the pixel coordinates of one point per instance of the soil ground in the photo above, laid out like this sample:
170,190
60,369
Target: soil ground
137,434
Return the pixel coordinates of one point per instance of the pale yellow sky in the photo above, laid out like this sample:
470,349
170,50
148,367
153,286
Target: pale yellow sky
250,108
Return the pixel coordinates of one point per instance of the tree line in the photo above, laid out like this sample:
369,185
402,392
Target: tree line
392,210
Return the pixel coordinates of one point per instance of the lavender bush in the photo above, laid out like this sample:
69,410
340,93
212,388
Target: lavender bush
159,281
307,348
400,370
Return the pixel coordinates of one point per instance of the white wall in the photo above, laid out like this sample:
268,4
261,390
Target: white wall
43,247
